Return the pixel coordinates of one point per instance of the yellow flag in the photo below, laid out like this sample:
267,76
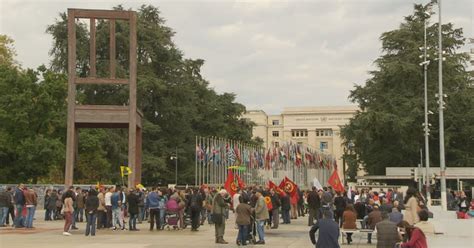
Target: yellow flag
125,171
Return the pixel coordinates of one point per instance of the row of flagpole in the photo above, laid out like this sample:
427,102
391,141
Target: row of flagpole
215,156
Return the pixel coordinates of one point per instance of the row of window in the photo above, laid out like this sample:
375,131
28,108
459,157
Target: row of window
304,133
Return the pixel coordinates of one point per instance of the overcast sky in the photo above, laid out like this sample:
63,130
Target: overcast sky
272,54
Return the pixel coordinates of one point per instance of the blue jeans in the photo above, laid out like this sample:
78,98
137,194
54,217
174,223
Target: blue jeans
19,221
285,214
91,220
141,214
116,217
132,222
260,230
162,217
242,236
3,215
29,217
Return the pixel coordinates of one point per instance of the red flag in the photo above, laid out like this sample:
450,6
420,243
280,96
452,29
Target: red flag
335,182
240,182
230,184
268,201
277,189
289,186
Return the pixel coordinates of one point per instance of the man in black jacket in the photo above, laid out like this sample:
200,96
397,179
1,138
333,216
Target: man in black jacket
195,205
91,205
314,203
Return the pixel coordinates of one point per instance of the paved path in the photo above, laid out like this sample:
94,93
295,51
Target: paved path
295,235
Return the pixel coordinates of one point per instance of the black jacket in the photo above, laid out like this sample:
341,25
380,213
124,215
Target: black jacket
133,201
313,200
92,203
339,203
285,202
275,201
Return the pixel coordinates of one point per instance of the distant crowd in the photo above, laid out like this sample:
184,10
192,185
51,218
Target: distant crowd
256,208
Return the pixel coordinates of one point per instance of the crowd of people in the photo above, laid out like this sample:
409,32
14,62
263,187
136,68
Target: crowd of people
256,208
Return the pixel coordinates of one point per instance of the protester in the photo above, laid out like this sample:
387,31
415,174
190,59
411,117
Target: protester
68,211
31,200
101,210
275,212
395,216
416,238
19,199
91,205
133,201
80,205
426,226
11,207
285,208
374,217
218,210
4,204
314,203
387,232
108,205
116,210
340,204
243,212
328,231
195,206
152,204
463,202
261,215
411,207
349,218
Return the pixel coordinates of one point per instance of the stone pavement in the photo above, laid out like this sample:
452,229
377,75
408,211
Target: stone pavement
458,233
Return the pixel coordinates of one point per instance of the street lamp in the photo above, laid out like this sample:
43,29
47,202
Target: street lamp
426,124
442,160
175,158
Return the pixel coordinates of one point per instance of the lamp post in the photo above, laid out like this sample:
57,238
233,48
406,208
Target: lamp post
426,125
442,160
175,158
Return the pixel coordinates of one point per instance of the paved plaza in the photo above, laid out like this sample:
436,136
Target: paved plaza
457,234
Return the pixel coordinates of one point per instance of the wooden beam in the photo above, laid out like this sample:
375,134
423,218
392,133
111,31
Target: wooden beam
71,99
92,52
132,128
91,80
112,47
101,14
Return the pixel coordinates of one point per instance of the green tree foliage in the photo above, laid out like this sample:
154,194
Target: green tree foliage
7,52
388,129
177,102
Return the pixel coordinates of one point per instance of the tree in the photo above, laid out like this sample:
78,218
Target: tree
387,131
7,52
176,100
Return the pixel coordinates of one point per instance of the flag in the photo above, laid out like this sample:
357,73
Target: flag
288,186
268,201
317,184
125,171
335,182
240,182
230,185
230,155
140,186
277,189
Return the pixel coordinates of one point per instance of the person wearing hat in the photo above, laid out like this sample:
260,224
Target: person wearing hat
218,210
374,217
261,214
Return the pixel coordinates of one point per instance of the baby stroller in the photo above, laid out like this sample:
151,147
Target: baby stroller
171,215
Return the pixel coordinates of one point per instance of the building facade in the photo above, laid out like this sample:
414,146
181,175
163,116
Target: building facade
316,127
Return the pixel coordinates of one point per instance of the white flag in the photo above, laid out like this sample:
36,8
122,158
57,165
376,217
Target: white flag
317,184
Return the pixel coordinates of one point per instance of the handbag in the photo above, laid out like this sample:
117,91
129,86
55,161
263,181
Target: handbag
216,218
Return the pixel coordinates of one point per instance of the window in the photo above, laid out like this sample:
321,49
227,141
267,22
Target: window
277,144
275,133
323,145
323,132
275,122
299,133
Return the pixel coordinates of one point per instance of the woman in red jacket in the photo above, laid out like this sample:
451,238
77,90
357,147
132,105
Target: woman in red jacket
417,238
